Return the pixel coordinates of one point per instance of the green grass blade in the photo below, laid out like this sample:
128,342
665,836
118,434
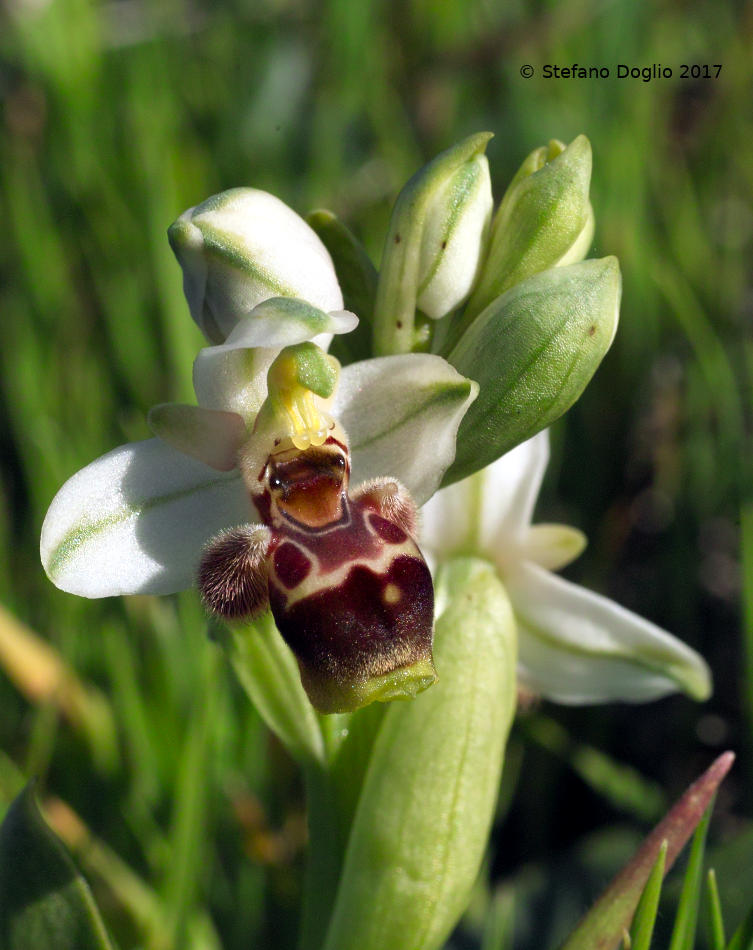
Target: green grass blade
716,921
683,933
743,937
642,927
603,925
500,923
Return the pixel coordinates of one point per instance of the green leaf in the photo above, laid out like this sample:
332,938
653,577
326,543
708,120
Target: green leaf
533,351
603,926
423,817
642,927
358,281
500,923
44,901
683,932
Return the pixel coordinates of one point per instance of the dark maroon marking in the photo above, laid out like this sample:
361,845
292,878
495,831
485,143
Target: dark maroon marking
350,632
263,504
291,565
348,540
387,530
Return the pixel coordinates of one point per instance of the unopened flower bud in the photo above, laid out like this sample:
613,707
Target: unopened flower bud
453,238
242,247
435,244
544,220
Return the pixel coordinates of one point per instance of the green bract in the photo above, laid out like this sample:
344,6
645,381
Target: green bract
533,351
426,806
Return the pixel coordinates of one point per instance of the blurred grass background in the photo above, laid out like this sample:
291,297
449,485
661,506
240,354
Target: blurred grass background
116,116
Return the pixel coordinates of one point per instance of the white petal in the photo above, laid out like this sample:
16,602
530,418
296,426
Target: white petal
449,520
283,321
209,435
579,647
402,415
511,487
136,519
233,379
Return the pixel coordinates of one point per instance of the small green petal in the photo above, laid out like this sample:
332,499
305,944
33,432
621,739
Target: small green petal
553,546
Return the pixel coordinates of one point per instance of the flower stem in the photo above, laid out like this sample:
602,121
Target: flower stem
327,839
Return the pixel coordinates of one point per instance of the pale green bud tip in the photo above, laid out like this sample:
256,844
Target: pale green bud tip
243,246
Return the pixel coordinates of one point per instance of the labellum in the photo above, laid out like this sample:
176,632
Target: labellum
348,587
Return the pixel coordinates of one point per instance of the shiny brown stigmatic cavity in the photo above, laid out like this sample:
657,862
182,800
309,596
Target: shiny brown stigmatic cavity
309,486
349,589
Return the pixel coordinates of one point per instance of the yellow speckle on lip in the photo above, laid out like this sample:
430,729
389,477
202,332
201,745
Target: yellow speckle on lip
391,594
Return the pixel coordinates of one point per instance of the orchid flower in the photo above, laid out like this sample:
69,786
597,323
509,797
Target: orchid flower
575,646
139,519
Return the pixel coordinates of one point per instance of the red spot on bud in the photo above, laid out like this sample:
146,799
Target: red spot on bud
387,530
291,565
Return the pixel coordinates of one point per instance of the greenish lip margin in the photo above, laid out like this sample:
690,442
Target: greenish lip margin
671,672
82,534
219,244
441,394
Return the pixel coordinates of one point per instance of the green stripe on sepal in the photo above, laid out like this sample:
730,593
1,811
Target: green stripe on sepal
358,281
424,813
44,901
533,351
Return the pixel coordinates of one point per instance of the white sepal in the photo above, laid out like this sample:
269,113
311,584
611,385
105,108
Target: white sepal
136,519
580,647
